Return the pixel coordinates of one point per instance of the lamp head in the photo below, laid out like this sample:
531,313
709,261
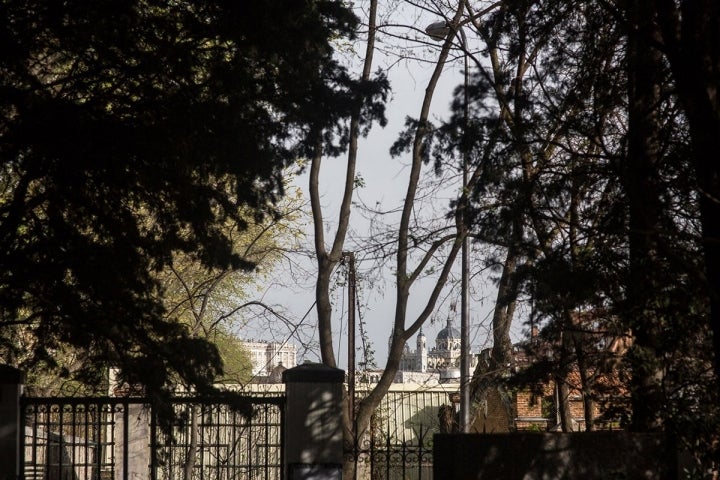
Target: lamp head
438,30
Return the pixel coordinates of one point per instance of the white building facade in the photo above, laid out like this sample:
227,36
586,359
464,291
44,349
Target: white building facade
266,356
443,358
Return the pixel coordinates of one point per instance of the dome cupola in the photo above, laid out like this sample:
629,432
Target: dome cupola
449,332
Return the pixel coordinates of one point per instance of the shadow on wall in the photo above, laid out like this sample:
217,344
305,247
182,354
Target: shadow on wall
314,435
54,456
60,464
534,456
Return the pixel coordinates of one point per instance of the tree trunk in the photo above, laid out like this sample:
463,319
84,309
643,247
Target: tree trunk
191,455
405,277
504,311
586,383
562,378
563,404
643,191
488,376
324,309
691,36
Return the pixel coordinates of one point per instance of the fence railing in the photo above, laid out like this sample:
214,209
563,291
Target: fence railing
226,444
399,445
112,438
378,458
118,438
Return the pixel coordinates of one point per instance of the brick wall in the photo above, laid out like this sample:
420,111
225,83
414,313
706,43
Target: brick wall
526,410
528,404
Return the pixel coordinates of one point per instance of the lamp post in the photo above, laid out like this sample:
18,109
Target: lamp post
440,31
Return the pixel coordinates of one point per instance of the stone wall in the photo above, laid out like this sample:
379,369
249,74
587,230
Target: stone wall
495,415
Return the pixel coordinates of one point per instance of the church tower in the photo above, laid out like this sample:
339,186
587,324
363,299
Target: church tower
421,353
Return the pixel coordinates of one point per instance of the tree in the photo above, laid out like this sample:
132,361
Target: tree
327,260
579,183
209,300
644,191
413,245
542,119
610,206
213,302
183,113
682,37
563,193
689,35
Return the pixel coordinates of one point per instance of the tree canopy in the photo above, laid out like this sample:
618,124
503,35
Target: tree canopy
597,183
132,130
216,303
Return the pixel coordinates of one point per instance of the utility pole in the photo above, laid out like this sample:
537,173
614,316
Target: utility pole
465,265
349,257
440,31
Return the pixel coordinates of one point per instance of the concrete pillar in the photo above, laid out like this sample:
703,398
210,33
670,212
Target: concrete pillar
132,437
313,422
11,386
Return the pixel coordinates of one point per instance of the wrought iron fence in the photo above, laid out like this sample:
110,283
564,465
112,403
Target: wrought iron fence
70,438
226,444
379,458
117,438
399,445
100,438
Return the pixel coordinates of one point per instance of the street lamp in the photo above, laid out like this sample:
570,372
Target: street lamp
439,31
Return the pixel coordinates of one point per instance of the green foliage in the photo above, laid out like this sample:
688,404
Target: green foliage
359,182
535,428
237,366
211,301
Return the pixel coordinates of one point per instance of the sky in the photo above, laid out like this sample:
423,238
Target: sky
384,183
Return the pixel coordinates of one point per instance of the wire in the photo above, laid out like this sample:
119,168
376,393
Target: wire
292,333
363,337
295,329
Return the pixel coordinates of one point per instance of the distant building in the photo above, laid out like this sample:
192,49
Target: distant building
270,358
537,406
443,359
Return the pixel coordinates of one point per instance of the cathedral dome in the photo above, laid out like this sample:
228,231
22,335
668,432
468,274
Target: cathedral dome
449,332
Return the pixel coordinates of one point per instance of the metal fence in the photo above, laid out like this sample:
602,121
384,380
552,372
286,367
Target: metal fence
399,445
111,438
226,444
116,438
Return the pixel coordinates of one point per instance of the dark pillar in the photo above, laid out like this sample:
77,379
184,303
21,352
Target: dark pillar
313,422
11,386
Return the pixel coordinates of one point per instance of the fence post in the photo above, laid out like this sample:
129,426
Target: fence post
313,422
11,385
133,441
